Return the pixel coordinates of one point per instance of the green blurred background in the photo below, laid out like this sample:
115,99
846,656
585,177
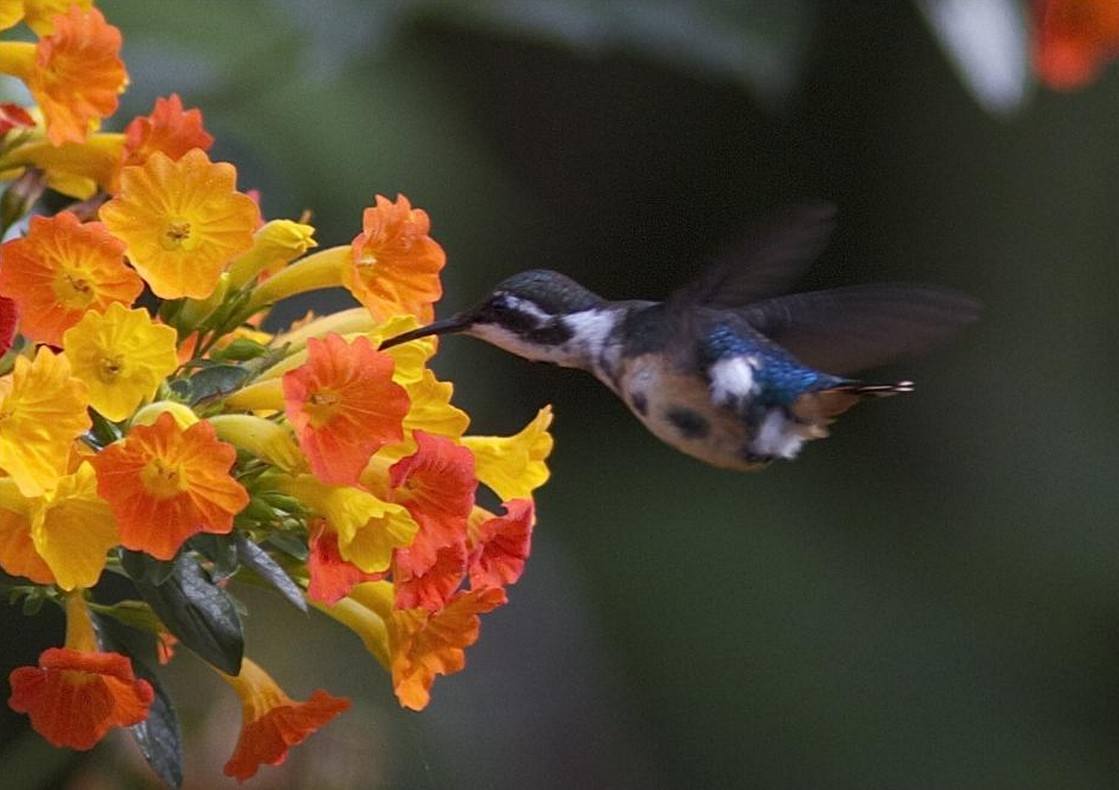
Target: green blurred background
928,599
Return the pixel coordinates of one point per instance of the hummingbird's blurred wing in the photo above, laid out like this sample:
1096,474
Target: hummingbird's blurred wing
846,330
767,262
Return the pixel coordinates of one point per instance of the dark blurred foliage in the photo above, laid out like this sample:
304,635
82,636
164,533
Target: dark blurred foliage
928,599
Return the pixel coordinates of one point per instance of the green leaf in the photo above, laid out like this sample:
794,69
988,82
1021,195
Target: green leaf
32,604
211,381
104,431
240,350
144,567
289,544
256,558
199,613
258,511
159,735
220,550
134,614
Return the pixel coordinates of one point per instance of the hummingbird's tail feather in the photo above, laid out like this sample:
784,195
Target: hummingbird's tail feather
822,406
880,390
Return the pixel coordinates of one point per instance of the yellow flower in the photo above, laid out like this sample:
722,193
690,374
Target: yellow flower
39,14
181,221
275,245
122,355
368,528
42,411
11,12
514,465
432,410
71,529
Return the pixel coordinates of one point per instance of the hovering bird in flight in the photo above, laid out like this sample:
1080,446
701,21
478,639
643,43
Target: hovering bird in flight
725,370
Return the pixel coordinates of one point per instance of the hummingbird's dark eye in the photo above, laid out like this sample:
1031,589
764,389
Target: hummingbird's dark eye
495,308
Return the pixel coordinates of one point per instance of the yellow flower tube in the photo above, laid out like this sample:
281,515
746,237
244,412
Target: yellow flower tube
271,441
276,244
320,270
180,412
74,169
354,321
363,621
17,58
260,395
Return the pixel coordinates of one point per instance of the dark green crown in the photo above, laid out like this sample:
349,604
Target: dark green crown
552,292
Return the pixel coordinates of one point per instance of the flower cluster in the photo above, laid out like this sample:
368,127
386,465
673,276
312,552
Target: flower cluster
151,428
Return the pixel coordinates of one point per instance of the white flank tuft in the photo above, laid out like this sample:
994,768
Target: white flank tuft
732,380
778,436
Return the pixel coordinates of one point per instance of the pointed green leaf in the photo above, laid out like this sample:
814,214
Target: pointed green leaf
199,613
256,558
159,735
216,380
289,544
220,550
140,566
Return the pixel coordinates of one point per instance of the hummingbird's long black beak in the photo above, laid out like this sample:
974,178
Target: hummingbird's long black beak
455,323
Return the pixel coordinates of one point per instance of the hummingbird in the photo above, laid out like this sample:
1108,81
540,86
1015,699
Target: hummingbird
726,369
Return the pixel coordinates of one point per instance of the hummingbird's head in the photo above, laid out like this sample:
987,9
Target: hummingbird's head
528,314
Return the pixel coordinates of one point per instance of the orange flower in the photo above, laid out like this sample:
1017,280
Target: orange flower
271,721
436,584
426,644
165,484
74,698
74,74
61,269
344,406
181,221
78,694
1074,39
436,484
501,545
396,264
169,129
331,576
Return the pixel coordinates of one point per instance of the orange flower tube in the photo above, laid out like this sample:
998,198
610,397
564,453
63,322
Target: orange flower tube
271,721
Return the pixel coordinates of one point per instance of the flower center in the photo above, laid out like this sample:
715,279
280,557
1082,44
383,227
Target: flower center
321,406
176,235
73,290
162,480
108,368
